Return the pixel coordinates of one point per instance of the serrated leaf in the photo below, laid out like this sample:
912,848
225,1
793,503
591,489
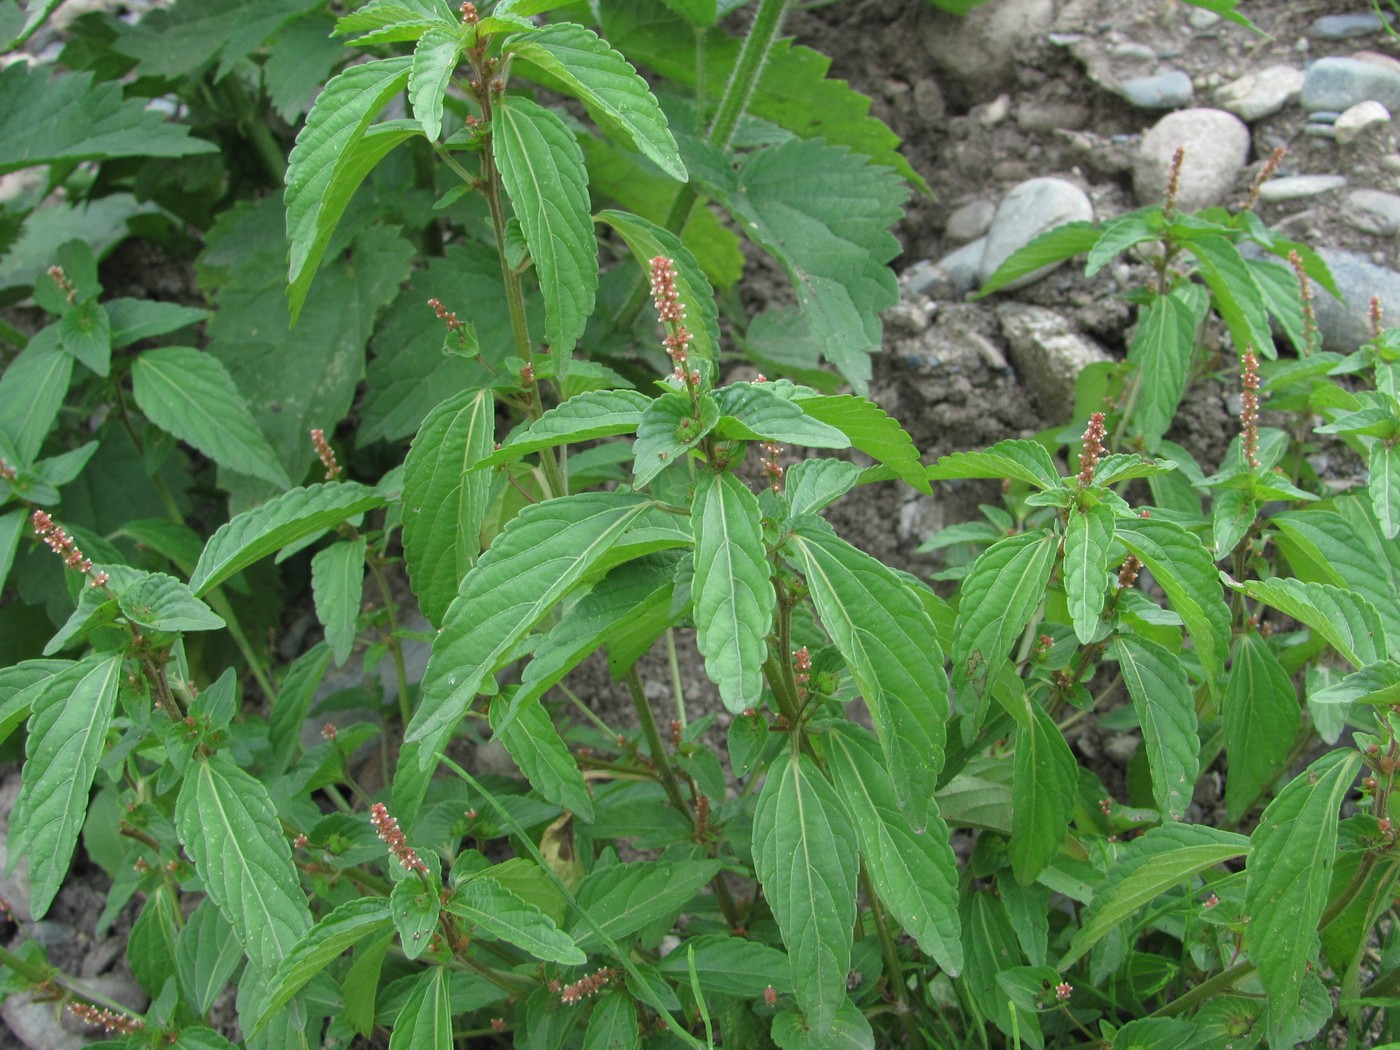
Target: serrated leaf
1161,350
730,966
1119,235
175,40
434,61
1043,781
264,530
206,954
382,14
228,825
871,431
732,596
1232,514
753,412
191,396
668,429
293,702
337,585
331,158
626,898
1288,876
414,904
32,390
576,61
1186,572
543,173
1347,622
1088,538
583,417
539,557
336,933
915,874
1324,547
1235,295
1117,466
1261,722
97,121
542,755
1146,868
613,1023
444,502
850,1030
500,914
997,600
85,331
1055,246
424,1022
1278,285
1166,709
1016,459
68,727
1383,484
137,319
805,852
162,603
150,949
812,484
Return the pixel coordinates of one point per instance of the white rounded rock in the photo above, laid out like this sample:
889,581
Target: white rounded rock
1217,146
1355,120
1262,94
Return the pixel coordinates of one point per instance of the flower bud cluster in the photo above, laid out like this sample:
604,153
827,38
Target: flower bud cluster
1249,409
7,472
469,15
1093,449
591,985
61,279
388,830
772,469
63,545
1174,179
802,671
326,453
1305,296
112,1023
670,311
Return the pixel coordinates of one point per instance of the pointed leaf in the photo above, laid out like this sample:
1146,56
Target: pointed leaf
753,412
1288,876
542,755
162,603
1057,245
382,14
806,854
1161,350
1347,621
137,319
542,171
498,913
1043,784
1166,709
415,904
1384,486
1088,538
1261,722
32,389
191,396
850,1030
264,530
812,484
891,647
1019,460
85,331
730,966
206,954
626,898
424,1021
668,429
1235,294
434,61
583,417
871,431
732,594
444,501
613,1023
337,585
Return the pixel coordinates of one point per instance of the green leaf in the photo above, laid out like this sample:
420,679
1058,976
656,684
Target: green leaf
1232,514
67,738
1146,868
405,15
1236,296
1043,786
1166,709
540,556
425,1020
1261,723
730,966
331,158
753,412
415,905
150,948
1161,350
1057,245
1088,538
667,430
294,701
228,825
583,417
190,395
1019,460
626,898
444,501
174,41
68,118
543,173
137,319
206,955
915,874
337,585
162,603
1324,547
1377,683
32,390
1384,487
732,594
577,62
498,913
542,756
1120,234
85,331
295,515
1345,620
11,529
805,851
434,61
1278,285
890,645
1006,586
1186,572
338,932
1288,876
871,431
613,1023
850,1030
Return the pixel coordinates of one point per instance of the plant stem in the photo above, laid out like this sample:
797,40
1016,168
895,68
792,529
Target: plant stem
1205,990
395,646
664,772
675,665
894,973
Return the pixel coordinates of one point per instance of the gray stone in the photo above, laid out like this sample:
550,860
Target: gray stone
1360,118
1169,90
1320,131
1200,18
1346,324
1297,187
1372,211
970,221
1217,145
1347,27
1131,52
1323,116
1262,94
1048,355
951,277
982,48
1340,83
1030,209
1051,116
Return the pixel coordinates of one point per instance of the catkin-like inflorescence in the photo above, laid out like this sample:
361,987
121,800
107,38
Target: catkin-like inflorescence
580,990
388,830
326,453
1094,434
1305,296
1249,409
111,1022
64,546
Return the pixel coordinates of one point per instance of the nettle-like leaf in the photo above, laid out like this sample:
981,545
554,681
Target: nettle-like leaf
424,1021
583,417
1347,621
72,712
626,898
812,484
1018,460
206,956
337,585
444,499
668,429
190,395
575,60
1383,484
1288,876
32,390
542,755
392,21
732,595
292,516
1161,350
1261,722
434,61
1054,246
730,966
1088,538
1043,782
177,39
806,854
872,431
891,648
1166,710
543,173
755,412
499,913
1237,297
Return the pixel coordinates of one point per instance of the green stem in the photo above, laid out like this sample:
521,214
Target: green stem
1206,989
269,153
664,771
36,22
675,666
395,645
894,973
587,711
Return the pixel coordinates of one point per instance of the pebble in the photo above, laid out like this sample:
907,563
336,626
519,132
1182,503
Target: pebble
1320,131
1323,116
1347,27
1030,209
1199,18
951,277
970,221
1354,122
980,49
1170,90
1372,211
1262,94
1048,355
1130,51
1217,146
1339,83
1297,187
997,110
1345,325
1042,117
